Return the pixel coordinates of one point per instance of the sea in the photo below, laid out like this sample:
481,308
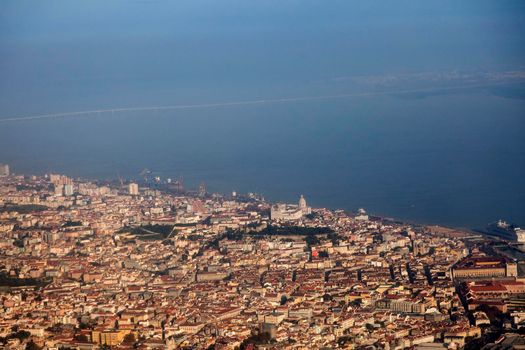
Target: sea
412,110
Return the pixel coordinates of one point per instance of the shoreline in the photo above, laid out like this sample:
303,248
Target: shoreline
383,217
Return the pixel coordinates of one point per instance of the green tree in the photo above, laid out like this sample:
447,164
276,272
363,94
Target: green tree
81,338
129,338
312,240
22,335
32,346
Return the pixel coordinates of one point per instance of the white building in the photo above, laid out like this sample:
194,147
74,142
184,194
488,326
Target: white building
68,190
290,212
361,215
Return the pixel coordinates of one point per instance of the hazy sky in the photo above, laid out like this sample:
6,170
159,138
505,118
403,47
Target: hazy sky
63,55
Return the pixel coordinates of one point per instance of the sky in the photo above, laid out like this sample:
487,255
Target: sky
72,55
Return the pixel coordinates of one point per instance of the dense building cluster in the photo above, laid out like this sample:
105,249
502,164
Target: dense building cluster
85,265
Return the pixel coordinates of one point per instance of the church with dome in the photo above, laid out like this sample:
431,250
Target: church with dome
290,212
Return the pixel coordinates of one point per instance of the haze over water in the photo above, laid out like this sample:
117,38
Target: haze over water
450,152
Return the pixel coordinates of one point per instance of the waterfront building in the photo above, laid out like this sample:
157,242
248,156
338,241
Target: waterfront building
361,215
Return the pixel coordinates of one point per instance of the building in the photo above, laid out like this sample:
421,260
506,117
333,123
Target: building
274,318
290,212
494,289
133,189
110,337
401,305
191,328
361,215
60,179
211,276
520,234
4,170
68,190
59,189
483,267
302,205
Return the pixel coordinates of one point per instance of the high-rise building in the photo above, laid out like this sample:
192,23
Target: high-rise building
60,179
68,190
4,170
133,189
54,178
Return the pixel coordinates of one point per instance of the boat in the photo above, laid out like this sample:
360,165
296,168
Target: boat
504,230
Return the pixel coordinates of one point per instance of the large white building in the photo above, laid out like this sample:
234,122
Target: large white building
68,190
361,215
289,212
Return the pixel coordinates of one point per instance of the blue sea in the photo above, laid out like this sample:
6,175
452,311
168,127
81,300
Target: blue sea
431,129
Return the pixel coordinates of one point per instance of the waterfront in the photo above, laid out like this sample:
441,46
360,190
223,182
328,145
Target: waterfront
344,154
449,152
446,154
262,175
129,267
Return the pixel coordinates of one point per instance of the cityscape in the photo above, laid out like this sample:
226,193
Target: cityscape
150,265
262,175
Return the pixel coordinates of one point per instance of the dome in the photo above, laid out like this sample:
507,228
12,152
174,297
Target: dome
302,202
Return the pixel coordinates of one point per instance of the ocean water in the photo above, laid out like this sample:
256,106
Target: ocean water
433,132
453,160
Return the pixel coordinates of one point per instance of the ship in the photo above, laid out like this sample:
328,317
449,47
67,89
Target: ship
506,231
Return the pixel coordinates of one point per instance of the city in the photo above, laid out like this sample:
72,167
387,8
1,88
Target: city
262,175
92,265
